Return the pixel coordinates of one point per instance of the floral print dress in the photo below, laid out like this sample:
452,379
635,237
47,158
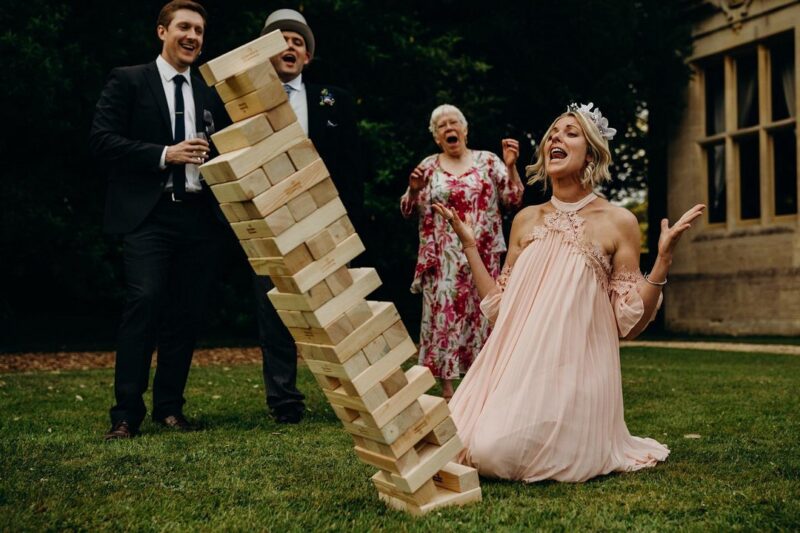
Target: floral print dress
453,329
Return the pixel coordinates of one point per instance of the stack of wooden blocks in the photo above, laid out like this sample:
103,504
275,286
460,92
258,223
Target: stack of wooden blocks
279,198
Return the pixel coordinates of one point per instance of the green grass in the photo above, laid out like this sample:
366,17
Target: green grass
244,472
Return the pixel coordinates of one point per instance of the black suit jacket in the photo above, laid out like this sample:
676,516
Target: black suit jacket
131,127
332,129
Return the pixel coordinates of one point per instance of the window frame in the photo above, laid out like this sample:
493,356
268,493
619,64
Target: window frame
764,129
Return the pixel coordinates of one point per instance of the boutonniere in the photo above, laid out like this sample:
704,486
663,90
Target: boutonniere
326,97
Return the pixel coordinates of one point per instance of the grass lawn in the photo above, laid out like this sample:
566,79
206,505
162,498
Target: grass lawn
244,472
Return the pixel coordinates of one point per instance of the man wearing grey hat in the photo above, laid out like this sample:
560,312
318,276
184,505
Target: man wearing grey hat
326,114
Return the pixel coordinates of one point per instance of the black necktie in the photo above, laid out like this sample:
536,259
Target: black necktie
179,172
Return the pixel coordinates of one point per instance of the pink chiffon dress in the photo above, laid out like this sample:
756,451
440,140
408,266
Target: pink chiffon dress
543,399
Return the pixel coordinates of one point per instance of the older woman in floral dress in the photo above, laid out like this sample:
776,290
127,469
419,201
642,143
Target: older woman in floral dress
473,183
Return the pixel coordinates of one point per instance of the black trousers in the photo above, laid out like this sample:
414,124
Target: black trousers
170,263
278,352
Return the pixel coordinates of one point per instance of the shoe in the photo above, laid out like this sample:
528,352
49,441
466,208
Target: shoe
120,430
288,417
177,422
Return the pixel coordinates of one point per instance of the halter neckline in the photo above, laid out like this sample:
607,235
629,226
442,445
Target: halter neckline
568,207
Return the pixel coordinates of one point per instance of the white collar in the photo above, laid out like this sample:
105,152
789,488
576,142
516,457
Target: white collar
297,83
168,72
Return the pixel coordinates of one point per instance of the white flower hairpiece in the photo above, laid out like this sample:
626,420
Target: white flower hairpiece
595,116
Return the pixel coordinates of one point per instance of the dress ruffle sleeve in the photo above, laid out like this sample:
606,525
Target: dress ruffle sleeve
509,192
490,305
627,302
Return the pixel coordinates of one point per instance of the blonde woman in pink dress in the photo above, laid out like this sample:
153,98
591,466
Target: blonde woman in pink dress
471,182
543,399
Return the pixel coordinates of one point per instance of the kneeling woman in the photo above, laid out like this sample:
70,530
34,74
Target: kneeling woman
543,399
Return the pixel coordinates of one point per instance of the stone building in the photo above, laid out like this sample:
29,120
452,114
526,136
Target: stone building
738,272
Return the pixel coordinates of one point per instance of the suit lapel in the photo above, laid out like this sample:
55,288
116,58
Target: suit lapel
154,81
316,119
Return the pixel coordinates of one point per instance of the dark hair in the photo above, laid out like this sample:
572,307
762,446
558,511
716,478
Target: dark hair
168,11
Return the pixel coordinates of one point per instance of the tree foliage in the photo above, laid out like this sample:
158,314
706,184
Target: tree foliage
510,66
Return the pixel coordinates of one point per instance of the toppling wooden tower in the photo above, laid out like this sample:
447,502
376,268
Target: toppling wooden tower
283,206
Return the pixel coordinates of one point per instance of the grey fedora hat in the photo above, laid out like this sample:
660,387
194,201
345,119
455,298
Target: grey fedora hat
290,20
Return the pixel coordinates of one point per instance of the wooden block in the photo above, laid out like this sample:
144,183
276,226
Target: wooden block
317,296
383,482
284,266
321,244
267,97
241,135
435,411
303,154
243,189
339,281
251,229
365,280
401,465
246,82
240,59
333,333
324,191
245,211
238,163
457,477
229,212
341,229
281,116
290,188
346,415
362,403
443,498
292,319
389,432
353,367
385,366
384,314
308,227
442,432
324,267
327,383
420,380
394,382
376,349
432,458
278,168
302,205
280,220
361,311
396,334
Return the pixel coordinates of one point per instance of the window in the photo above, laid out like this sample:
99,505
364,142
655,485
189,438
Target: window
750,143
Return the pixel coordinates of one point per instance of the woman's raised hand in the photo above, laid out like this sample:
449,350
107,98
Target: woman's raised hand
510,151
417,180
463,228
671,235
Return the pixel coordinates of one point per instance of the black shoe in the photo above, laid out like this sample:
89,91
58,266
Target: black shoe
120,430
177,422
293,416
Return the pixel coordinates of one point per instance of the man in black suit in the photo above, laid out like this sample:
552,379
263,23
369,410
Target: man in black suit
327,116
143,130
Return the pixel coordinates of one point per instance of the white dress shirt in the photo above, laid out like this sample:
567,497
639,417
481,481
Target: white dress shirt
298,101
167,72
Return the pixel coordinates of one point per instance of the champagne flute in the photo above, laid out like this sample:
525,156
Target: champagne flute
196,135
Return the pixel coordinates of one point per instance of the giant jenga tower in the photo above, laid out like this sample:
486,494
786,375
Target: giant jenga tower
279,198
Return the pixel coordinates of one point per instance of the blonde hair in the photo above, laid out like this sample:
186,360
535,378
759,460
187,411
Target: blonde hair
441,111
596,146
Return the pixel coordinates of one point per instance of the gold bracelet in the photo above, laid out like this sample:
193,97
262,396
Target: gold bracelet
655,283
465,246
